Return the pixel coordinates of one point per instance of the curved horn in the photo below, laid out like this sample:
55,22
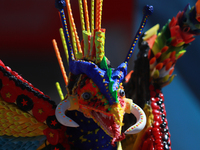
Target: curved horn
60,114
141,120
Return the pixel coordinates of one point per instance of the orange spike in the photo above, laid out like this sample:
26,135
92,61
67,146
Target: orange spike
159,66
166,61
164,49
173,59
128,76
151,41
73,25
171,71
60,61
152,60
158,55
98,13
180,55
86,15
173,54
168,66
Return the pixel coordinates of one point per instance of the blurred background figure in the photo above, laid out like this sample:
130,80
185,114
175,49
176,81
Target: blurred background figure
28,27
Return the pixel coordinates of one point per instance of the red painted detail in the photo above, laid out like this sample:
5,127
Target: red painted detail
9,94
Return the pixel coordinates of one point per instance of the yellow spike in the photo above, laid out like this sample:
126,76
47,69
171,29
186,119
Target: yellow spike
17,130
92,16
6,125
19,112
81,15
2,111
4,120
10,114
2,116
59,91
60,61
13,126
164,79
64,44
33,120
28,124
22,126
180,54
27,115
24,131
152,31
30,128
156,74
42,127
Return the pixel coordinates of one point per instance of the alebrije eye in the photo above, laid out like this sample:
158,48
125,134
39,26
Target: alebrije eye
121,92
86,96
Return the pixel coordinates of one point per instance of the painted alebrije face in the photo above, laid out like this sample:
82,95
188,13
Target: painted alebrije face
94,105
94,88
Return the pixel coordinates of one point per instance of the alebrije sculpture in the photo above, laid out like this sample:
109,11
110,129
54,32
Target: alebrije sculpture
95,89
90,116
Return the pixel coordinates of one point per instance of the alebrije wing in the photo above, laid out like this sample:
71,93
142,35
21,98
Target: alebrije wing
159,53
27,115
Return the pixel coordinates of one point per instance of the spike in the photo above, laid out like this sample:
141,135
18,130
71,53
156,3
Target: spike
81,15
60,61
99,4
92,16
86,15
151,32
64,44
156,74
75,38
159,66
66,33
164,49
59,91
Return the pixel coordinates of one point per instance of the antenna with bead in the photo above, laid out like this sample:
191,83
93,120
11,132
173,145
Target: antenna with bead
147,11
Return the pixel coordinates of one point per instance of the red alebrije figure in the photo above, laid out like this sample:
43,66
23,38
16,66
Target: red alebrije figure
153,70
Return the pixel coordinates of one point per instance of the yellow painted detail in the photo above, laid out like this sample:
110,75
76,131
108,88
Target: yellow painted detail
18,123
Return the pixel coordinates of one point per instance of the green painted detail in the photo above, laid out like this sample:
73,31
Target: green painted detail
109,73
91,46
180,52
114,93
162,39
79,56
85,40
103,64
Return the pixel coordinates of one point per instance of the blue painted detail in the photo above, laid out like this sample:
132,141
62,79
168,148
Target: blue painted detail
21,143
89,135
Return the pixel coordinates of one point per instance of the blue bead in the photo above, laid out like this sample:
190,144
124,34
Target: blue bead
60,4
148,10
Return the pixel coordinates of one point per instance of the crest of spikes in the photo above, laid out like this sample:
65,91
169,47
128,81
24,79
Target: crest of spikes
94,88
